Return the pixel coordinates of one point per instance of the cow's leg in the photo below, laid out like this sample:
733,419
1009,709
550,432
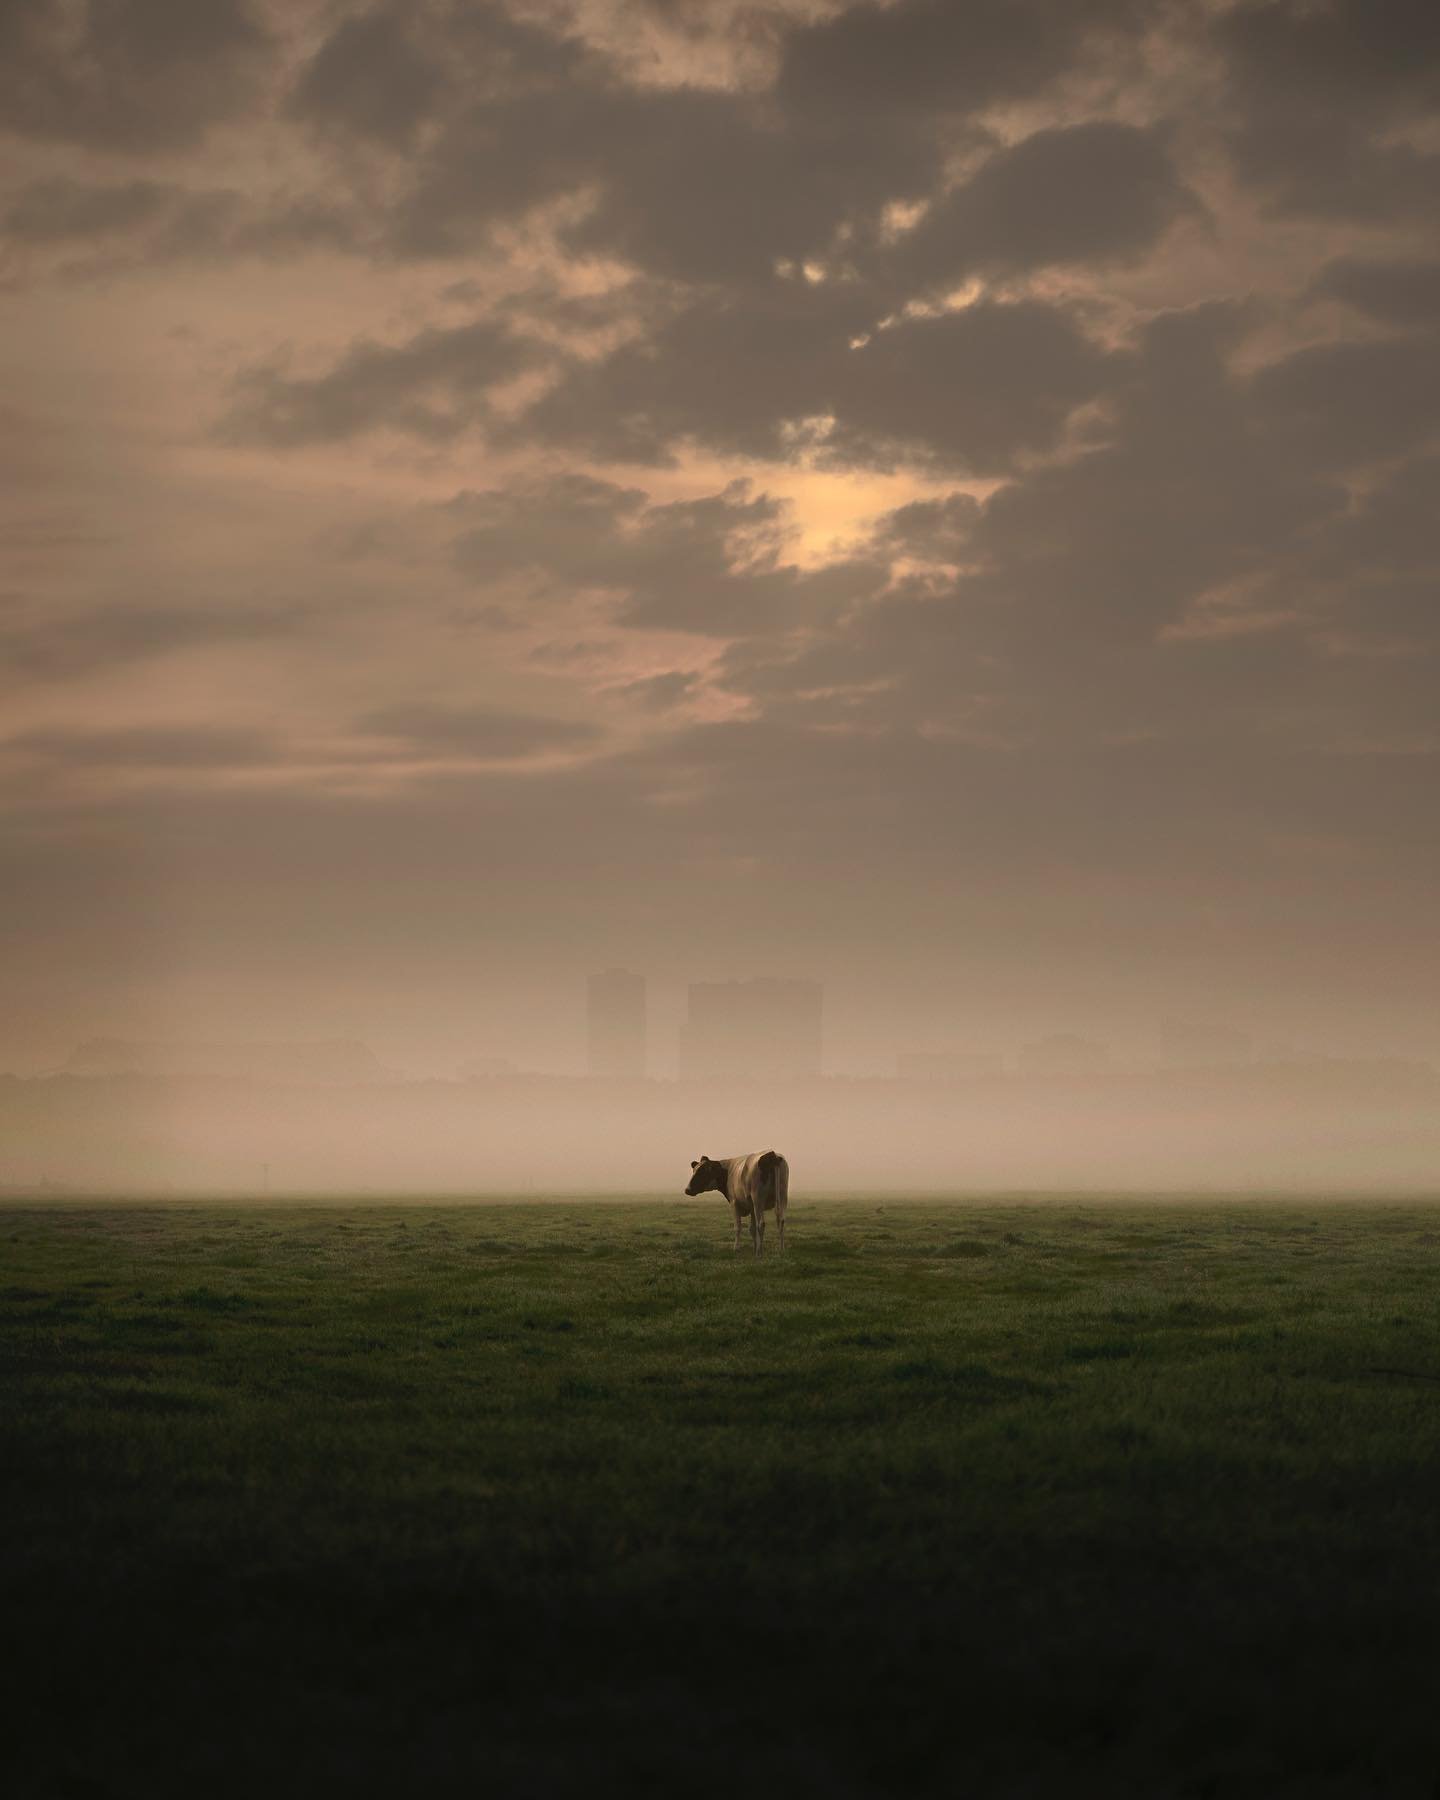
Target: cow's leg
737,1227
780,1224
757,1216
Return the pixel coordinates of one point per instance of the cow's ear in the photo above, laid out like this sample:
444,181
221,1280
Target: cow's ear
704,1157
694,1165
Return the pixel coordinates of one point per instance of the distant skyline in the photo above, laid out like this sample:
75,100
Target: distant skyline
709,1043
753,1030
938,500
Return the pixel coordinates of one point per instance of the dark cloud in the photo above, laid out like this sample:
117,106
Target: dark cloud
45,648
488,166
966,390
934,57
1396,293
278,226
449,731
1355,52
1186,494
494,116
51,211
1310,163
714,186
110,228
1367,587
569,526
688,183
131,75
370,77
148,747
725,371
717,187
692,186
1322,95
701,188
1346,405
384,71
932,530
1086,194
433,387
715,565
1396,522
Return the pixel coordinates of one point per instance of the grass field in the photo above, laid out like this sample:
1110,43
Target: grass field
990,1499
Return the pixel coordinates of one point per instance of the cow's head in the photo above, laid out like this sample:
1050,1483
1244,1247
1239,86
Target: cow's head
706,1177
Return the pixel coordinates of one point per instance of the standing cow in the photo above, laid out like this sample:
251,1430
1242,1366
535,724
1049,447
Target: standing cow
754,1185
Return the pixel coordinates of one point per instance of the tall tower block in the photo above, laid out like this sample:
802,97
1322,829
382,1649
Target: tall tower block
752,1030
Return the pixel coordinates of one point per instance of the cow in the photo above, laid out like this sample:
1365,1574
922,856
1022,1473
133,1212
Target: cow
754,1185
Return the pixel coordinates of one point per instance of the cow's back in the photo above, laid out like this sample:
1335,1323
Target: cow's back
752,1178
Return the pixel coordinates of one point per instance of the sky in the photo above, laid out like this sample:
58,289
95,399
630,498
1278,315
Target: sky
937,499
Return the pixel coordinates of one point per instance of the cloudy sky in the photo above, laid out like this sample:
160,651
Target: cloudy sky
940,498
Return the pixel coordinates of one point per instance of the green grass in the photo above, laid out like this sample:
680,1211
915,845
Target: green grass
998,1499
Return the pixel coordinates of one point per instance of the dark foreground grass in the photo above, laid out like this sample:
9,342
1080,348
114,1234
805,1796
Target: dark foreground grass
524,1499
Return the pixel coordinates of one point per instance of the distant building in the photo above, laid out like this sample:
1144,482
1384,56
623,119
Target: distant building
1063,1054
946,1065
755,1030
341,1062
615,1025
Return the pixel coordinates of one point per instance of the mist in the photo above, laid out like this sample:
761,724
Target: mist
1064,1120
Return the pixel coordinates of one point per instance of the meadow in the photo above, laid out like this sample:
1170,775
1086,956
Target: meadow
993,1498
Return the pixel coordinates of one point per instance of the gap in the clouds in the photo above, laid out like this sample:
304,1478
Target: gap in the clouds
830,511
